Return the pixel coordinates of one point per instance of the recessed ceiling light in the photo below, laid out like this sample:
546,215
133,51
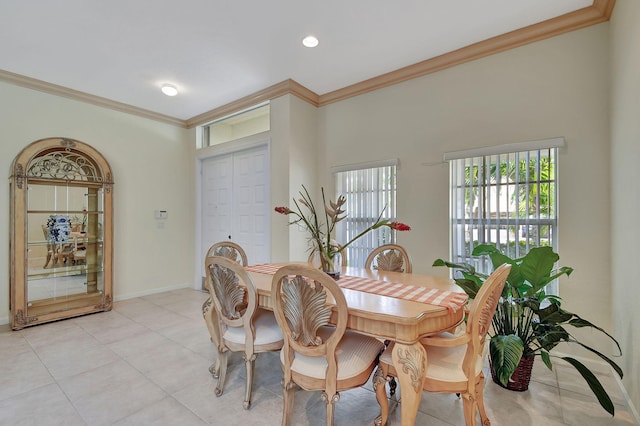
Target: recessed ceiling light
310,41
169,89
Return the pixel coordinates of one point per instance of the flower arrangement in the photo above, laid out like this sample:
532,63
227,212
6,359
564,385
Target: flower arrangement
77,223
321,232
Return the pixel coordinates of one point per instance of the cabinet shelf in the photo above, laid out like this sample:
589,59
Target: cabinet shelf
64,271
80,241
63,211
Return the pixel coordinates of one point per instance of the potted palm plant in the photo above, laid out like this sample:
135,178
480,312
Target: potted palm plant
529,322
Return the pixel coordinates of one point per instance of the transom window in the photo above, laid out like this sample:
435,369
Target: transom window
370,192
250,121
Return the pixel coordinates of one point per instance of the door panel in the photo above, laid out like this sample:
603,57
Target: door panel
217,181
235,191
251,205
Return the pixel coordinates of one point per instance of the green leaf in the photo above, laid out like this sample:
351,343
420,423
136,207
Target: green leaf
581,322
537,265
546,359
613,365
469,286
484,249
549,336
505,353
594,384
461,266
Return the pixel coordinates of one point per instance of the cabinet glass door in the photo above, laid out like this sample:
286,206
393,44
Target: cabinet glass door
65,247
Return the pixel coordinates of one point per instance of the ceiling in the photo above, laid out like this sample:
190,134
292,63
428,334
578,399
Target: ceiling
216,51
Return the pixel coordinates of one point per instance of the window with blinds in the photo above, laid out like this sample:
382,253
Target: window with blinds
370,192
505,199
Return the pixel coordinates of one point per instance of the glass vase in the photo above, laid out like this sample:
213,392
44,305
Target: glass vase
333,266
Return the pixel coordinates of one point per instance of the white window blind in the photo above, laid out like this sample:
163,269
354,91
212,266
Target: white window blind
505,199
369,193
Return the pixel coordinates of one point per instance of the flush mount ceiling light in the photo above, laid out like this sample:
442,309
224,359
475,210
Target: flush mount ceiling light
169,89
310,41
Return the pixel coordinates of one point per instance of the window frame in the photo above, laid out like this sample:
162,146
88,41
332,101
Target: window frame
371,191
498,177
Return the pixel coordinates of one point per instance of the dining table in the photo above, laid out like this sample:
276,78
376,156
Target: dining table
395,306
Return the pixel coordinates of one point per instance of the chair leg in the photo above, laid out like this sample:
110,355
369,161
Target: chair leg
249,365
379,387
289,394
215,368
48,258
392,387
222,371
480,400
469,405
330,403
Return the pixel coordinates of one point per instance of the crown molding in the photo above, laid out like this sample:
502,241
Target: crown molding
605,7
283,88
54,89
599,12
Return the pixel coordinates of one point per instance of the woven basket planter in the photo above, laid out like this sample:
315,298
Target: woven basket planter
519,381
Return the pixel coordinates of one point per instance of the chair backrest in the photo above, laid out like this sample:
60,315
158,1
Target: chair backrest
480,314
230,250
389,257
306,299
233,293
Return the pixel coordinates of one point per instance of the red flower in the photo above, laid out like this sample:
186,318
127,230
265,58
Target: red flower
283,210
399,226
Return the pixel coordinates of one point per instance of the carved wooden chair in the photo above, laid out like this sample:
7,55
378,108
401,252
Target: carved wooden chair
51,248
454,362
230,250
240,325
389,257
316,355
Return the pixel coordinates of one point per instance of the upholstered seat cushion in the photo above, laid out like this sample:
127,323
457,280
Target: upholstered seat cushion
267,330
355,353
443,364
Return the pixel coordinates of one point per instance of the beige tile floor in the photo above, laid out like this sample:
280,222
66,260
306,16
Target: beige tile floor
146,363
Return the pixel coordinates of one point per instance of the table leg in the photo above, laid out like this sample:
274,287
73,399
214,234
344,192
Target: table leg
410,362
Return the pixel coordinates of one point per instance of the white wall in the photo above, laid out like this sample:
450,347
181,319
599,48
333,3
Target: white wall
557,87
625,186
152,168
293,163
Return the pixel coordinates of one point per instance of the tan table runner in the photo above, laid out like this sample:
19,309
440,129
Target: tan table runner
451,300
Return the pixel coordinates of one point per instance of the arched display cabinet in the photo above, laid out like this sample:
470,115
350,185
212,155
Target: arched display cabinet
61,228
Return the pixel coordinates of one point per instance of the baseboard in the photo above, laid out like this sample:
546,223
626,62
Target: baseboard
153,291
634,411
5,320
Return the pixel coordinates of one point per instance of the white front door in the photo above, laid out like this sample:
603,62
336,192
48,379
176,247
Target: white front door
235,202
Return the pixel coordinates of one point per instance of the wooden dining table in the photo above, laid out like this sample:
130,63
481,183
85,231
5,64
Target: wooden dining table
391,318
